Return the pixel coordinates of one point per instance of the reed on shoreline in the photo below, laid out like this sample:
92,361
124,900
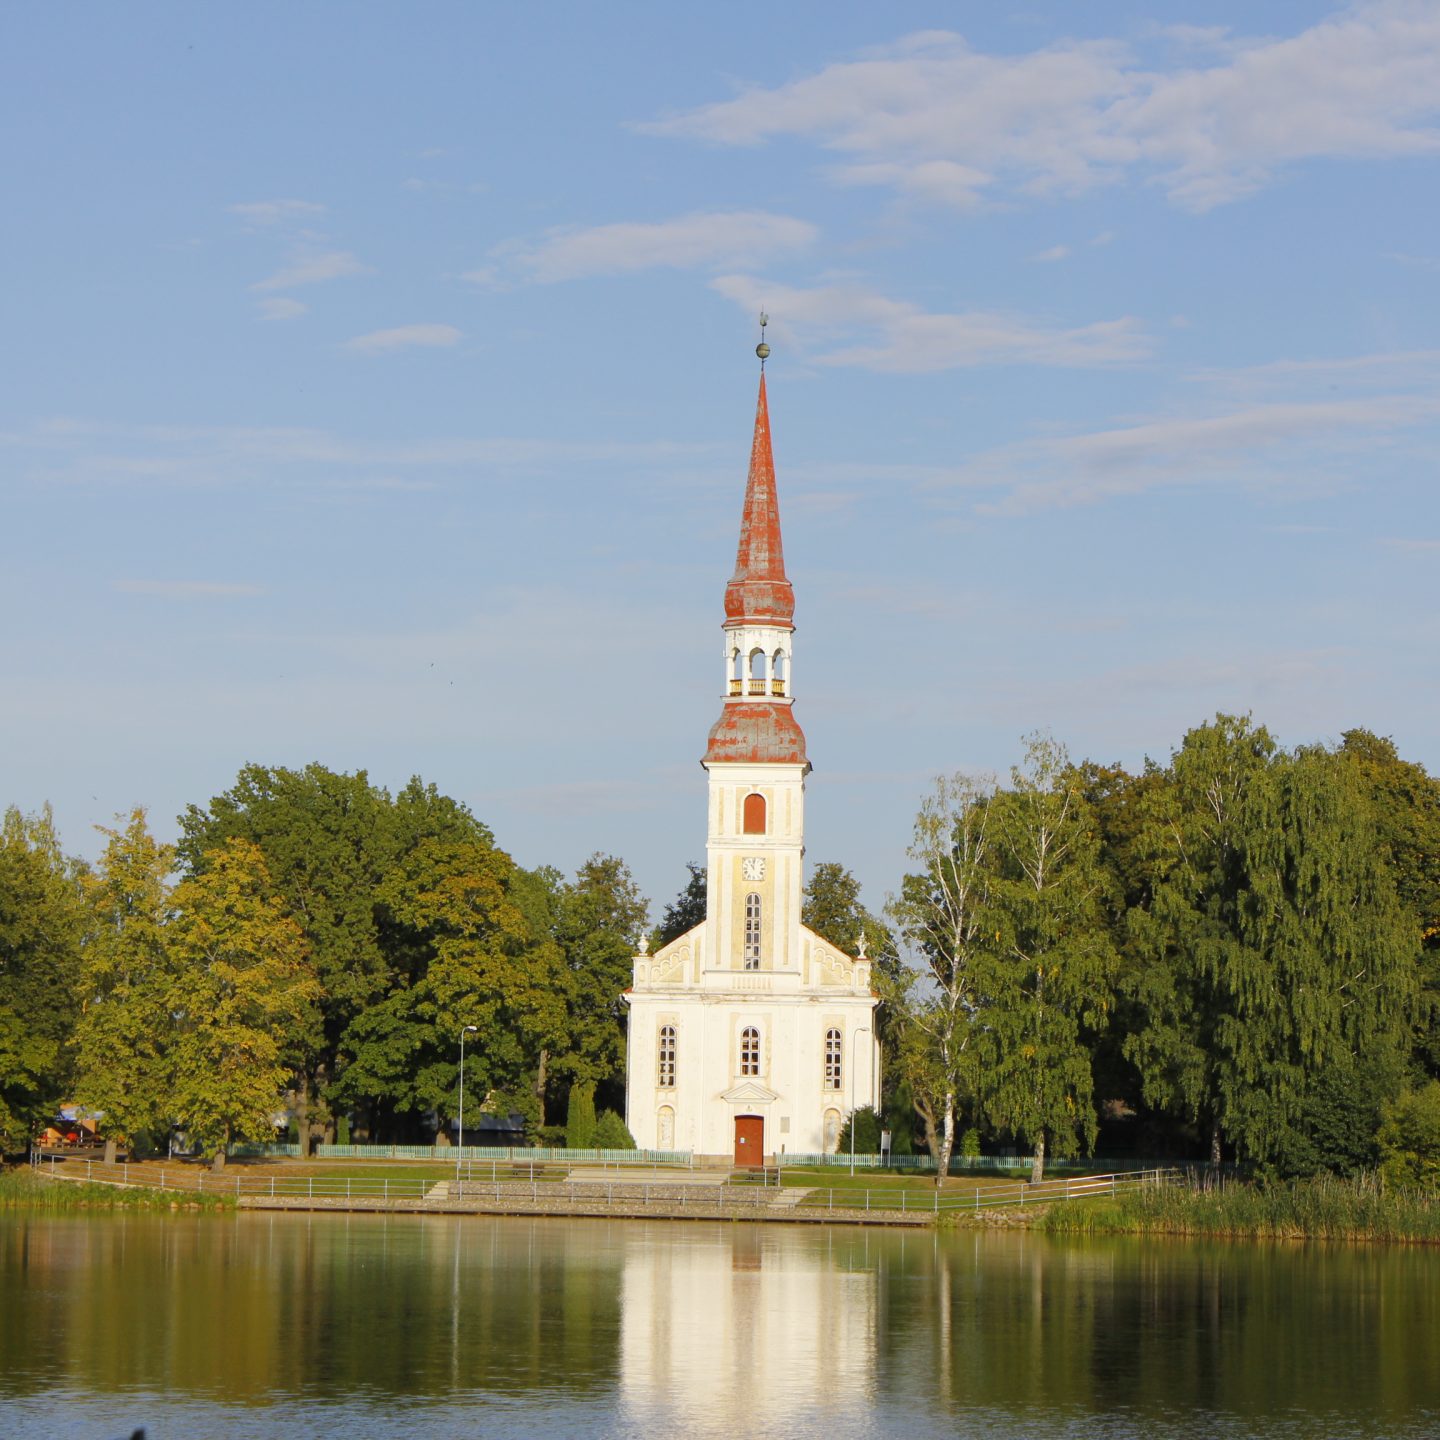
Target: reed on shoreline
22,1190
1323,1208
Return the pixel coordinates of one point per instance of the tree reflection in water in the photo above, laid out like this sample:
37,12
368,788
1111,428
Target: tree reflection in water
333,1325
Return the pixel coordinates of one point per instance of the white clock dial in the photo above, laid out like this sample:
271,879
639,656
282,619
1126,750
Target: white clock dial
753,868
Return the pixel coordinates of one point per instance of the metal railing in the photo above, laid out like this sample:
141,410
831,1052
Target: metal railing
757,1191
504,1154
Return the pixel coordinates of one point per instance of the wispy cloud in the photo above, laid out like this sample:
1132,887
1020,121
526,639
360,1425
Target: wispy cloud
1418,546
77,452
312,270
282,308
850,325
187,589
268,213
1050,256
405,337
934,118
1283,443
704,239
1413,370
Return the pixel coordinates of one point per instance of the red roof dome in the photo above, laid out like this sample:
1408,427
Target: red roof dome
756,733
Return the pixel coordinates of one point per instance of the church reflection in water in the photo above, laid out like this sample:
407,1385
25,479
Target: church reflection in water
740,1316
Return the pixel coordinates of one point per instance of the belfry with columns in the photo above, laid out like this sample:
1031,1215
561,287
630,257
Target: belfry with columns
751,1036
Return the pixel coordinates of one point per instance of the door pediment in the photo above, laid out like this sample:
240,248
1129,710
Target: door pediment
749,1092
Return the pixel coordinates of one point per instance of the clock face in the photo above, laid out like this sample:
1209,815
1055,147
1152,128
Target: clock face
753,868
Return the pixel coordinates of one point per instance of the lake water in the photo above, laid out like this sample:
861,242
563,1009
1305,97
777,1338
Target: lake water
291,1326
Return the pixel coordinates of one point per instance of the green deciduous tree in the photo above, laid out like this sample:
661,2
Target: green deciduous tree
331,843
1405,804
831,907
1273,946
123,1038
685,911
40,927
1047,983
599,919
483,967
241,973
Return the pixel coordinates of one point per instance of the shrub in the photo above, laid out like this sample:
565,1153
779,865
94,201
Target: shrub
1410,1139
580,1116
970,1143
611,1133
867,1133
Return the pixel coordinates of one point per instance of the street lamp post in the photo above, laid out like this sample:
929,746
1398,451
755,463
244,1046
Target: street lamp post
854,1066
460,1137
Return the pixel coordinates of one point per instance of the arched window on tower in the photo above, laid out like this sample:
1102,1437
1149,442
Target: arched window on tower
757,672
778,673
749,1051
753,820
833,1052
667,1058
737,671
752,931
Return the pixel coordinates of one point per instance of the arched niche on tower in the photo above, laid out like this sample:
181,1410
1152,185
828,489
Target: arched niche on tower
752,814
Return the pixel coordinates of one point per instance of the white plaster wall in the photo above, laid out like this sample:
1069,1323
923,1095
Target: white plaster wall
792,1014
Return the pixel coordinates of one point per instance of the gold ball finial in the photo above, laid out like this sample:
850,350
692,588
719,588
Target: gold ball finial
762,349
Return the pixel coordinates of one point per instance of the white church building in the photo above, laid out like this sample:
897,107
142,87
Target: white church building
751,1036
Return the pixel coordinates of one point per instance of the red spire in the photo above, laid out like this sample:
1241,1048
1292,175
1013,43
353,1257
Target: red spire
758,592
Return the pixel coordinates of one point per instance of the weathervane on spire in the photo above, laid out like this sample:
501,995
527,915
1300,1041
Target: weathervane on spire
762,349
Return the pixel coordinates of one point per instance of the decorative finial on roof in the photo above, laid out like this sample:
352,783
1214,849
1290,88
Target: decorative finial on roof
762,349
860,947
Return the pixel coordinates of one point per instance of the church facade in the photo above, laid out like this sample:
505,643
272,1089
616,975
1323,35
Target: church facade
751,1036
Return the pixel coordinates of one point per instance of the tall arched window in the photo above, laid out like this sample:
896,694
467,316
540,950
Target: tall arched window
667,1056
753,822
749,1051
832,1059
777,673
757,672
752,931
737,672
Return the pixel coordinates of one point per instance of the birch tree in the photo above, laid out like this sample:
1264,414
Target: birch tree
941,915
1048,977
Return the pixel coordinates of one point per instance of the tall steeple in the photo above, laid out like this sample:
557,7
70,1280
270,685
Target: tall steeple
757,725
758,592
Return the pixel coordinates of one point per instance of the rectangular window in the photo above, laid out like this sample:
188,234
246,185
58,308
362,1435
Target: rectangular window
667,1056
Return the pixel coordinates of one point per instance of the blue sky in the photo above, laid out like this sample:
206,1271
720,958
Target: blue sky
378,384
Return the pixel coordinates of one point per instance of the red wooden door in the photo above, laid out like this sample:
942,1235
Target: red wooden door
750,1140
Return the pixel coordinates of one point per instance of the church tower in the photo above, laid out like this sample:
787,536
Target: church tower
756,755
751,1036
